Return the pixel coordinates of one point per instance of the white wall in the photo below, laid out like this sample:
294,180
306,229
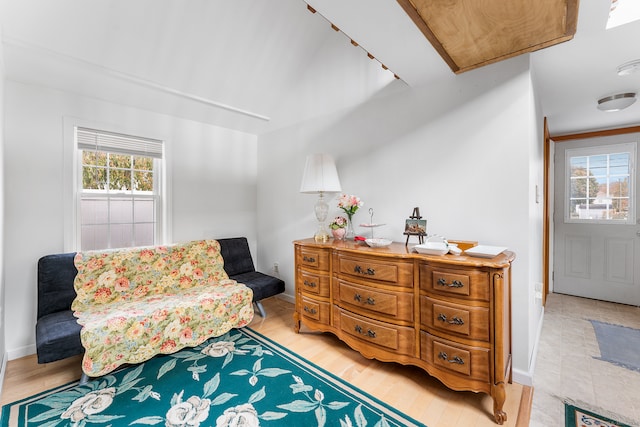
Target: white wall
2,293
461,151
467,152
536,227
213,185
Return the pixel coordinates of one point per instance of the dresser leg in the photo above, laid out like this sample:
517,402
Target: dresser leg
296,322
499,396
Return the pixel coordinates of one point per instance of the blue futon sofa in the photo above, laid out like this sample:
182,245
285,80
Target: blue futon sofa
58,332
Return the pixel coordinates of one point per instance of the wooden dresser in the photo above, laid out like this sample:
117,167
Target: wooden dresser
450,315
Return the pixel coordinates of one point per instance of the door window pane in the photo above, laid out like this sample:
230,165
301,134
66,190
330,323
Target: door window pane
599,184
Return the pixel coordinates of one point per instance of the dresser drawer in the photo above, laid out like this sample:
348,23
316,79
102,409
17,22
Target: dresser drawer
313,283
396,305
389,272
471,284
315,310
315,258
399,339
463,320
468,362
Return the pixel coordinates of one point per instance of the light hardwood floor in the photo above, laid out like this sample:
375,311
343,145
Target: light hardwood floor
406,388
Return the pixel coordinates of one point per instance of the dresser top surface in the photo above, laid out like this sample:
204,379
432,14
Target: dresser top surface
400,250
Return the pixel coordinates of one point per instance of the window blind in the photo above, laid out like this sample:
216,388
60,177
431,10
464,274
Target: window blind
91,139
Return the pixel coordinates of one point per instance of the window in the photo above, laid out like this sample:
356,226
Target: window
600,184
119,200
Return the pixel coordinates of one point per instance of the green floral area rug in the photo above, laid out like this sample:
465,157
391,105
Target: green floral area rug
578,417
239,379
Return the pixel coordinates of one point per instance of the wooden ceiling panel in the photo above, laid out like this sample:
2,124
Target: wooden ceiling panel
472,33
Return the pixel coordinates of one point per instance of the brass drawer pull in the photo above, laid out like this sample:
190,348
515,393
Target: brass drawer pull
310,284
370,301
456,359
455,284
454,321
310,310
369,333
369,271
308,259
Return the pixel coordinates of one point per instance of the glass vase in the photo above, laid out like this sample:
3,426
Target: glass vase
350,233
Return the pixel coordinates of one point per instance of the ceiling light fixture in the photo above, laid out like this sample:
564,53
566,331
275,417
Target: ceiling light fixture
629,68
617,102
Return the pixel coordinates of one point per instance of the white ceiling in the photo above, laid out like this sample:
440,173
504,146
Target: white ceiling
254,65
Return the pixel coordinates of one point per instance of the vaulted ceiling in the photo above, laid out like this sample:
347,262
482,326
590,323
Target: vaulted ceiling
255,65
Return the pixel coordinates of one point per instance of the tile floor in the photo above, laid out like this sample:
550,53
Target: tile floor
566,367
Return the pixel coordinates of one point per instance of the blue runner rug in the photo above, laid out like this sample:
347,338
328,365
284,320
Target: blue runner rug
618,344
239,379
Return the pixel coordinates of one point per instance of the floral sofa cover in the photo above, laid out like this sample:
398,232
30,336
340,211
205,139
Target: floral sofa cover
139,302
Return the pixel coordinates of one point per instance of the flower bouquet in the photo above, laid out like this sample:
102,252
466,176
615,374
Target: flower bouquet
349,204
338,227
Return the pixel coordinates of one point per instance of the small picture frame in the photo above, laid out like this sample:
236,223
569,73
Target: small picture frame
415,227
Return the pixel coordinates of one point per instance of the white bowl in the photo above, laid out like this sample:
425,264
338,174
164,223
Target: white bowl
432,248
378,243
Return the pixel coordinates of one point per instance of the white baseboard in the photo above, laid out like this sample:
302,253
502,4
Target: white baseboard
21,352
287,298
526,377
522,377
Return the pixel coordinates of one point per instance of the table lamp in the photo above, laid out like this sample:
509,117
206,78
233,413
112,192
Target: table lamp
320,176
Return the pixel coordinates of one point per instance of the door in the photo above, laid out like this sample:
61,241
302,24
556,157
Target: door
597,229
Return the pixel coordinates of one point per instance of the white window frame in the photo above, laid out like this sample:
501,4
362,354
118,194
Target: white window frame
629,147
73,179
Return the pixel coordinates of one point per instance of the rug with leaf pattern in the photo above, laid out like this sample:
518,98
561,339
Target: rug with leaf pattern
239,379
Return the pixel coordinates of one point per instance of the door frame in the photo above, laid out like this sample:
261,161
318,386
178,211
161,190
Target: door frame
548,170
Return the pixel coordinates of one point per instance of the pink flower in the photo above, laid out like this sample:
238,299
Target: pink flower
95,264
338,222
102,295
168,346
186,335
349,203
122,284
146,255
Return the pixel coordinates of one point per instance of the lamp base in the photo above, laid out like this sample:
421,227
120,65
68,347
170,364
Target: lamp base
321,209
321,236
